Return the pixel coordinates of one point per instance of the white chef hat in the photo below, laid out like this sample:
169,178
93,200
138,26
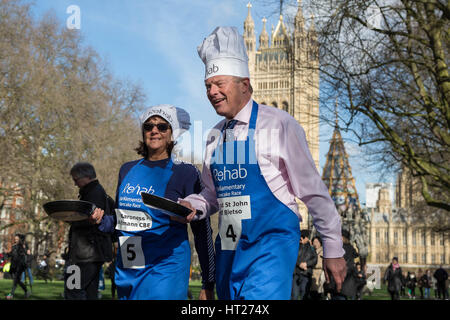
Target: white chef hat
223,52
178,118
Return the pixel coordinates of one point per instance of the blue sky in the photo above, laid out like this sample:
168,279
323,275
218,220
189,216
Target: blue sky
153,43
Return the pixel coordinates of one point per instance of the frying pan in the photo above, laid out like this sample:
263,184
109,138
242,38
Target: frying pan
167,206
69,210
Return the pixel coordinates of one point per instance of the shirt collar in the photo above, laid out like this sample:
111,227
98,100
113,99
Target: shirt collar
243,116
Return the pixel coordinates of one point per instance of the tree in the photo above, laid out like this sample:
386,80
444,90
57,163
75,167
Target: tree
59,104
389,60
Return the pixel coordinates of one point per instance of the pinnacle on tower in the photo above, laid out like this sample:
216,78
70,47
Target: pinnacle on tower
299,20
249,30
264,36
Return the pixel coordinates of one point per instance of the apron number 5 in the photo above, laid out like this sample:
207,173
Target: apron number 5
230,233
131,252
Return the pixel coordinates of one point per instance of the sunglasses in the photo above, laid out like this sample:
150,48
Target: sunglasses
162,127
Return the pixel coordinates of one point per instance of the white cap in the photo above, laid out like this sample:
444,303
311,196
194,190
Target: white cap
178,118
223,52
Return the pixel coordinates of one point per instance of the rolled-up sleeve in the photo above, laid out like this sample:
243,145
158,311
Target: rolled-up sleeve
308,186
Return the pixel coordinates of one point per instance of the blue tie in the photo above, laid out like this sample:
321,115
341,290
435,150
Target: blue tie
229,135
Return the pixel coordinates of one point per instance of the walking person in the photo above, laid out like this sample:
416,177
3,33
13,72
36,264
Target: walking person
360,281
394,278
89,247
427,283
411,282
154,257
18,265
420,283
28,273
318,276
349,285
306,260
253,182
441,277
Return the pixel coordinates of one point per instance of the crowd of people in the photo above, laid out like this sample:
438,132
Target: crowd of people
402,284
309,279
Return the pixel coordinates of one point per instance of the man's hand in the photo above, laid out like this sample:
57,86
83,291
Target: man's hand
303,266
96,216
189,217
206,295
336,268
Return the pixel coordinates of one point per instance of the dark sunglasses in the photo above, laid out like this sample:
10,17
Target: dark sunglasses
162,127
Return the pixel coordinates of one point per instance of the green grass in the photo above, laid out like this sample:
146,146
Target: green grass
52,290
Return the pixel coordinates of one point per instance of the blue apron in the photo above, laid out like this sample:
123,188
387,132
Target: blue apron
258,240
154,254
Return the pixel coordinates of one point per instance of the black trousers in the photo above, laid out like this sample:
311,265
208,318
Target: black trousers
17,280
88,289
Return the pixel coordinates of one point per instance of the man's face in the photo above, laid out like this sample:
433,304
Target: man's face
227,94
80,181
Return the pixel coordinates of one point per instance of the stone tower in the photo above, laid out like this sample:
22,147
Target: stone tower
284,71
337,176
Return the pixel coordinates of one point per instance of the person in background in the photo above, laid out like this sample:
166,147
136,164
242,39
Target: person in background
27,272
306,260
394,278
403,287
441,277
427,283
411,282
112,268
89,247
420,282
18,265
360,281
318,275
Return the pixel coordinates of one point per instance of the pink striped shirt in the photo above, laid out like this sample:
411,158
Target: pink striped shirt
287,166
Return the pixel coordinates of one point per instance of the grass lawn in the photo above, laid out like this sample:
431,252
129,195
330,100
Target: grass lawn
52,290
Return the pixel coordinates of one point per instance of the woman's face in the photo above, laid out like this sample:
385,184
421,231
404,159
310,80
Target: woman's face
157,139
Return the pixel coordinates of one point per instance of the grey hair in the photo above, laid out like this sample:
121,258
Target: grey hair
82,170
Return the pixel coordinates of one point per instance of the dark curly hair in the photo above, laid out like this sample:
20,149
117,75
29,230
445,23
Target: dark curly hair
142,149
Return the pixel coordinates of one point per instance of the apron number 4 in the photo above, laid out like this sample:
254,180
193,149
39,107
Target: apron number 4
230,233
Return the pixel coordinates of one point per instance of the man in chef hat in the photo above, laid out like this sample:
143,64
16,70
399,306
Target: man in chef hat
257,244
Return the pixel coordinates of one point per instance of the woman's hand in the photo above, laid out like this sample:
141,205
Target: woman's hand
188,218
97,216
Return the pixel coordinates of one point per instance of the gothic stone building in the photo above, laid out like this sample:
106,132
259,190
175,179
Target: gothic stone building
284,74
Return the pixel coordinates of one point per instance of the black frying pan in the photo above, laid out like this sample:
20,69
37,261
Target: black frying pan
69,210
165,205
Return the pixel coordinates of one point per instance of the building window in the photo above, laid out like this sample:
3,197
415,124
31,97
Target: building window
415,258
442,258
405,258
395,237
378,258
386,237
441,241
377,236
424,258
424,238
414,236
405,238
433,258
433,242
